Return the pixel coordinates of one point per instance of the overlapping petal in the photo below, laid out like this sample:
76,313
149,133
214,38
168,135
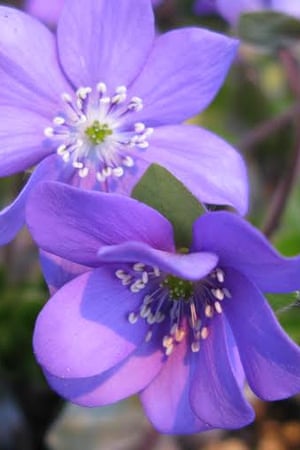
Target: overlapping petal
270,358
30,74
125,379
167,399
101,42
215,394
91,219
208,166
45,11
12,218
192,266
83,330
176,87
239,245
58,271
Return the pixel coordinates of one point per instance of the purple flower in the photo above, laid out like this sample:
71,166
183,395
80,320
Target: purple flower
231,10
97,106
180,327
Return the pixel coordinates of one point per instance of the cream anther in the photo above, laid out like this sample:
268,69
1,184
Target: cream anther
218,307
195,347
208,311
138,267
220,275
101,88
48,132
204,333
139,127
132,318
58,120
218,294
66,97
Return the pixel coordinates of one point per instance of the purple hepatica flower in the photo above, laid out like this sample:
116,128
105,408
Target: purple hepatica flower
182,328
107,101
231,10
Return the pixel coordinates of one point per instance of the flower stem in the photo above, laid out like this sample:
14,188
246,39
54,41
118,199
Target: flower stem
284,188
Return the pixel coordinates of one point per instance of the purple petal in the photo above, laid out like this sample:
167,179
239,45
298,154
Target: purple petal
192,266
183,73
25,81
239,245
215,394
167,399
287,6
21,137
84,330
91,219
270,359
231,11
99,42
209,167
205,6
12,218
58,271
48,12
125,379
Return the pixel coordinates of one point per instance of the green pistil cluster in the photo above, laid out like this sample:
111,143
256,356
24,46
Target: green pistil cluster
178,289
98,132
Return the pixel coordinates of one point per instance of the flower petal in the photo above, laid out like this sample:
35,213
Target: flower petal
209,167
125,379
21,137
231,11
183,73
99,42
48,12
91,219
25,82
167,399
270,359
83,330
241,246
215,394
192,266
287,6
58,271
12,218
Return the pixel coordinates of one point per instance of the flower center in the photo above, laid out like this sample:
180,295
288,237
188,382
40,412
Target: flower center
178,289
96,133
184,308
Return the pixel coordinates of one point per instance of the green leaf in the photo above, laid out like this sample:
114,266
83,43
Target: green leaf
163,192
268,28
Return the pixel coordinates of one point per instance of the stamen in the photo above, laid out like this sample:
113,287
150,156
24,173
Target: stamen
218,307
204,333
184,306
195,347
132,318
